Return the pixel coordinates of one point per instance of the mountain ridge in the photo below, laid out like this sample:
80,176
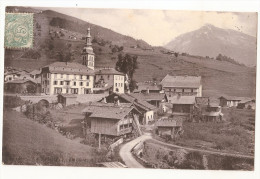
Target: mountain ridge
211,41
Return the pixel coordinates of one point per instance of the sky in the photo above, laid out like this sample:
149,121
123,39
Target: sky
158,27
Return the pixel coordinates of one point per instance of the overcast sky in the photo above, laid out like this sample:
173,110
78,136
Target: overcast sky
158,27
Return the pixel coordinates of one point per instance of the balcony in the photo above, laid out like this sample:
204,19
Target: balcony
124,131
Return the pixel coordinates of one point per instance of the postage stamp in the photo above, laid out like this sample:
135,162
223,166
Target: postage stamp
18,30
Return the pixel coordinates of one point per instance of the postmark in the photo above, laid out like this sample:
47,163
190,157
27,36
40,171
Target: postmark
18,30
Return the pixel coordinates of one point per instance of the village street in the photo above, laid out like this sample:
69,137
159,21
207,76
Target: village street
127,156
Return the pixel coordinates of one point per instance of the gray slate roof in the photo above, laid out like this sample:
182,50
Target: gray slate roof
181,81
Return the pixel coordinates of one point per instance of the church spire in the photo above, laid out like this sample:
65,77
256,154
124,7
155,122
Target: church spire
88,54
88,38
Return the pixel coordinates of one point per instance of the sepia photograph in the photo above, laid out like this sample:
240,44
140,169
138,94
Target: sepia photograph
129,88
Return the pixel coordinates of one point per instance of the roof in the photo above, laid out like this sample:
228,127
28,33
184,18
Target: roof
68,95
20,81
213,113
232,98
139,102
35,72
69,68
107,111
181,81
107,71
202,100
169,122
181,99
148,96
145,86
246,100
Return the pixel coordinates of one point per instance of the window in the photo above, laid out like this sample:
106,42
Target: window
61,82
108,76
75,83
182,90
67,90
87,84
116,84
67,83
48,75
61,75
192,90
81,77
81,83
55,82
87,77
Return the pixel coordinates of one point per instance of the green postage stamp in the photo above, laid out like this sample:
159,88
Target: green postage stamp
18,30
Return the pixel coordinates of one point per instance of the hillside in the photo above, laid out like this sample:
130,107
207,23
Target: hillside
219,77
29,143
211,41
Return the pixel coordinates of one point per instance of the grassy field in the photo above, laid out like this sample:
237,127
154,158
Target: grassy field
236,134
162,156
29,143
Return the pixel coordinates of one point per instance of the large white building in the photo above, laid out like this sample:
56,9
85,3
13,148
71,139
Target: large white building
75,78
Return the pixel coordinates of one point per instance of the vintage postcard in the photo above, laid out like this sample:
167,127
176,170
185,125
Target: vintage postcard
128,88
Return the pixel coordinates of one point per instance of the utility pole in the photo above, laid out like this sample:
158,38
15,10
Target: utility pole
99,141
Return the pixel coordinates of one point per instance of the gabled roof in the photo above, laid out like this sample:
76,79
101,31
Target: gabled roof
169,122
181,99
107,71
148,96
232,98
107,111
20,81
136,101
145,86
181,81
69,68
35,72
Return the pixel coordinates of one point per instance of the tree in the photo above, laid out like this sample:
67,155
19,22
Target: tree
128,64
176,54
31,89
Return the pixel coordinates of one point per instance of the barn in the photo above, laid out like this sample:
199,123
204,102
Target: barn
110,119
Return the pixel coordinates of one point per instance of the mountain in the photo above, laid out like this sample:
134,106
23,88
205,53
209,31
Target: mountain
211,41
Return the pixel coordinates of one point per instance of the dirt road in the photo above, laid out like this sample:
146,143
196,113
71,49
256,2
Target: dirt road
126,155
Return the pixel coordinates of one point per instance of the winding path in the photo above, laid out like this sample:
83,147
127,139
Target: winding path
126,154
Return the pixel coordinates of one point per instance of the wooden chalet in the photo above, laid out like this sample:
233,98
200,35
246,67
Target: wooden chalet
152,98
147,110
182,105
246,104
229,101
171,126
21,86
148,87
110,119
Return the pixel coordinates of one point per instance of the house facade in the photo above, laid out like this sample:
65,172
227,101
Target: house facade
182,85
20,86
110,119
229,101
67,78
171,126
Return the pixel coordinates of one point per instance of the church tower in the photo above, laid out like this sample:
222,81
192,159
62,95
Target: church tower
88,56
